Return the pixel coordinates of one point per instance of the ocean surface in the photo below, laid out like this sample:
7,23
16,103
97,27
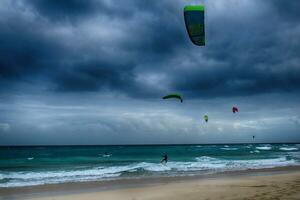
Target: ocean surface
24,166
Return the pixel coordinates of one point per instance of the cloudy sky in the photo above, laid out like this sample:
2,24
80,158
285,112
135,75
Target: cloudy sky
94,72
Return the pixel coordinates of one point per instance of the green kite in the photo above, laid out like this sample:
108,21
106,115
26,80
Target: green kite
194,23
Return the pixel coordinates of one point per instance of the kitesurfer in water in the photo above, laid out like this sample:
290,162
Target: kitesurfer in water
106,154
165,159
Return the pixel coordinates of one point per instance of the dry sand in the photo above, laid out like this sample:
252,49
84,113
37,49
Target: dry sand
283,185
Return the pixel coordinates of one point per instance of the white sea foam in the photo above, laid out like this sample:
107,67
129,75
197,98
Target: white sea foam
106,156
229,149
265,148
252,164
288,148
203,163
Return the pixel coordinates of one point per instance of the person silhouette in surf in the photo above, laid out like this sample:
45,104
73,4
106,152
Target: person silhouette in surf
165,159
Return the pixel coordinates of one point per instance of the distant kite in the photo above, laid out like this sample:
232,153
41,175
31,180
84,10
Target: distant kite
194,23
235,109
205,118
176,96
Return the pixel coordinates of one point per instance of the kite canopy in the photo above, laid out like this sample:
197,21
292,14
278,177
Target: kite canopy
235,109
205,118
176,96
194,23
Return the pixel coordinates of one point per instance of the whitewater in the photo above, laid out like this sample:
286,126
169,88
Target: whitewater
27,166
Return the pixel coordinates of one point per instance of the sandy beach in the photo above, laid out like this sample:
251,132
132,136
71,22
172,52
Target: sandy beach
279,183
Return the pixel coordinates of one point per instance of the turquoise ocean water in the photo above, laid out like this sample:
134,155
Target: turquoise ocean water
24,166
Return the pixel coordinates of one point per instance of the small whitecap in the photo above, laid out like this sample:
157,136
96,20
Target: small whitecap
229,149
288,148
265,148
105,155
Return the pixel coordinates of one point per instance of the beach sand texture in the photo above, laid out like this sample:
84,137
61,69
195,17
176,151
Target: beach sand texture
278,186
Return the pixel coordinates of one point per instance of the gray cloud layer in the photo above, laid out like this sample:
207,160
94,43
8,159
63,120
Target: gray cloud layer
139,50
252,47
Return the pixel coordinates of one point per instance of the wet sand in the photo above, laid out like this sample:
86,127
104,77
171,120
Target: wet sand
276,183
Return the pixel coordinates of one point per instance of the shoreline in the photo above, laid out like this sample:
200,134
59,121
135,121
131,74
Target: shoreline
81,188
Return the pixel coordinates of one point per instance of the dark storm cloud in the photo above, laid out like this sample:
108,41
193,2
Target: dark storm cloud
38,45
289,11
61,9
72,46
76,10
249,51
23,50
92,76
91,72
